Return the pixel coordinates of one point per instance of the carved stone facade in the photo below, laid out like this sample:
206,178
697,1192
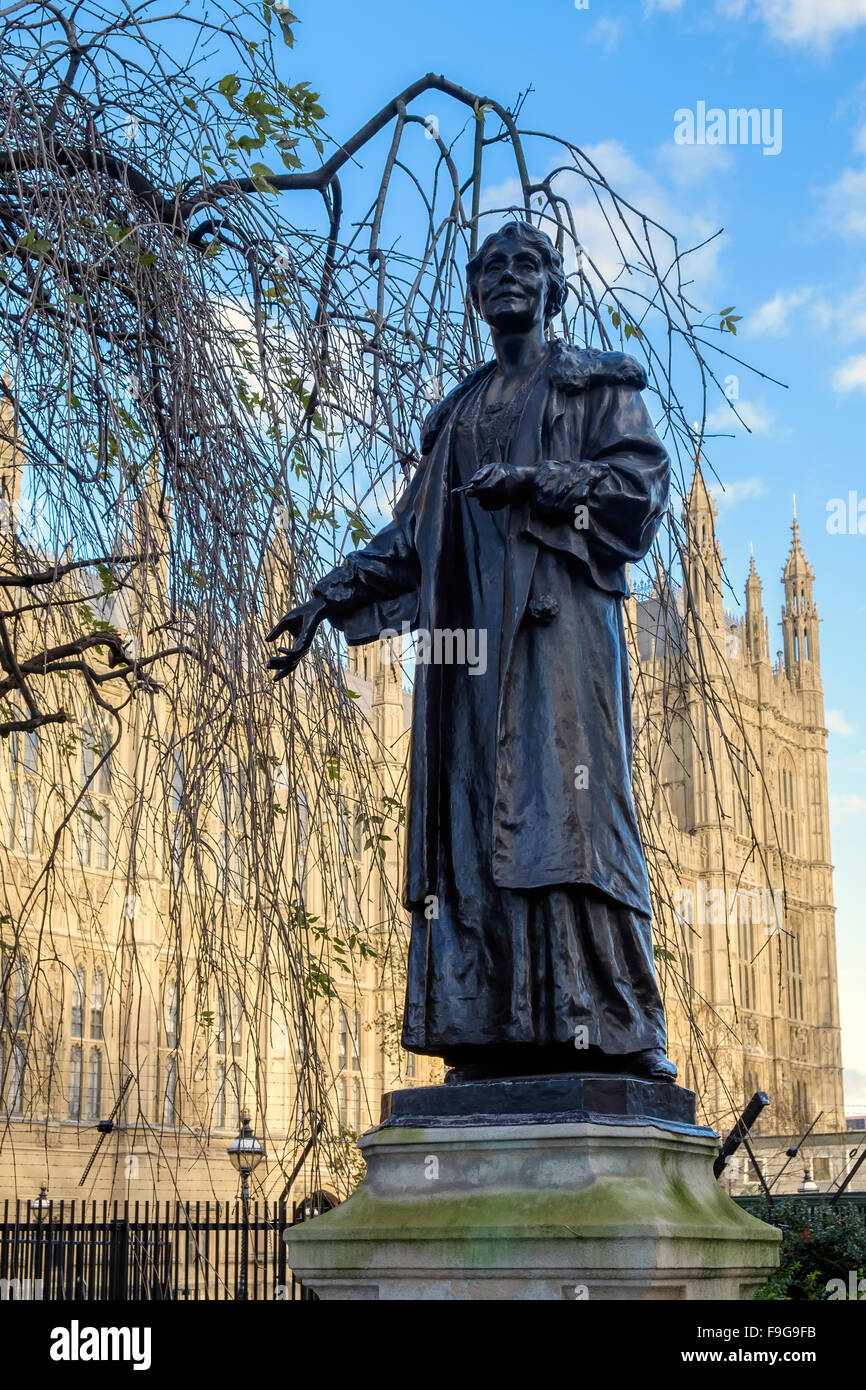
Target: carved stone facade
750,981
750,931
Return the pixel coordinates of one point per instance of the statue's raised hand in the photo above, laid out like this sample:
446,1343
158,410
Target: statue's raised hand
301,623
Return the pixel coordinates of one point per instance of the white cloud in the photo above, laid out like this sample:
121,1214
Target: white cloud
667,6
691,164
854,1082
754,418
839,723
728,495
841,312
816,23
644,190
843,208
606,33
851,376
846,806
774,315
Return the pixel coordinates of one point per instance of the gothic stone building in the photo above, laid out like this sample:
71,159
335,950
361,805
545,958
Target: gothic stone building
750,986
741,827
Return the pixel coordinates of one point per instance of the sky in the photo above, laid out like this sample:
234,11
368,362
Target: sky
623,80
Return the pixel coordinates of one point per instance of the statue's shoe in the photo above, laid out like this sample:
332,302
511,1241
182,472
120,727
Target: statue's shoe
653,1064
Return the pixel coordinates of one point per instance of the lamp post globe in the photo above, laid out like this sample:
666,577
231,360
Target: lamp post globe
246,1152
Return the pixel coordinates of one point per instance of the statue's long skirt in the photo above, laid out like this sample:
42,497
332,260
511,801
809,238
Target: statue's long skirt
489,965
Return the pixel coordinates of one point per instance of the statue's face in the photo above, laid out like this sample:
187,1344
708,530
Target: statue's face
512,286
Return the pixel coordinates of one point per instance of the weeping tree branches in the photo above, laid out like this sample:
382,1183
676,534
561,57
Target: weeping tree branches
222,329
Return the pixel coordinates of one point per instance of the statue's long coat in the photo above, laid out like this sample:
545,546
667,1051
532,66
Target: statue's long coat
565,703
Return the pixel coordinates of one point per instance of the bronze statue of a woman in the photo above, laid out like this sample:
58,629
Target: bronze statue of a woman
541,477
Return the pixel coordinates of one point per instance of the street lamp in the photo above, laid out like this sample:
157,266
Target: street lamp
246,1153
40,1205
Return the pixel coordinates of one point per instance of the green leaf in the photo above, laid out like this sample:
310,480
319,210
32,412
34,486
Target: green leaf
147,258
109,583
31,242
248,143
115,233
229,85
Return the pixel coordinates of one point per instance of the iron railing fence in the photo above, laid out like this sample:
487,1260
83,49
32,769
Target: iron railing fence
144,1251
811,1201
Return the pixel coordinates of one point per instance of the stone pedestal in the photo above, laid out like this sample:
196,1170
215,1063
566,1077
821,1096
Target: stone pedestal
550,1188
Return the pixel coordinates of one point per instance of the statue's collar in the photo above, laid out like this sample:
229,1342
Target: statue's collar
568,368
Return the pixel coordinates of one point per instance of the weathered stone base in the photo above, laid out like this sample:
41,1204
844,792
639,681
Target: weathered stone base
536,1211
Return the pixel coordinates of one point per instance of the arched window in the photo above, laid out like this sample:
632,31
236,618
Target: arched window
12,814
342,1042
788,804
342,1100
102,834
742,789
88,752
232,865
237,1016
75,1081
303,840
175,802
219,1105
801,1103
356,1040
221,1026
747,949
79,988
94,813
301,1048
15,1082
171,1014
24,750
97,1004
344,848
85,832
169,1101
177,780
233,1117
21,800
18,1013
410,1065
106,756
27,827
356,1106
793,971
94,1083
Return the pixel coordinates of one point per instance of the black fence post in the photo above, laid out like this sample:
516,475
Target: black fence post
118,1251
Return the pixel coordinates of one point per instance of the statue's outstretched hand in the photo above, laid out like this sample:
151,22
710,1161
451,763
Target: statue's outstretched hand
301,623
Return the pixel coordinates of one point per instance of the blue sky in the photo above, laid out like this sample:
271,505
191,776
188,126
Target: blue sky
612,76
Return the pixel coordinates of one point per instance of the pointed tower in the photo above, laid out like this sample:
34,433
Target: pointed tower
148,516
757,631
704,555
278,569
11,464
800,618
